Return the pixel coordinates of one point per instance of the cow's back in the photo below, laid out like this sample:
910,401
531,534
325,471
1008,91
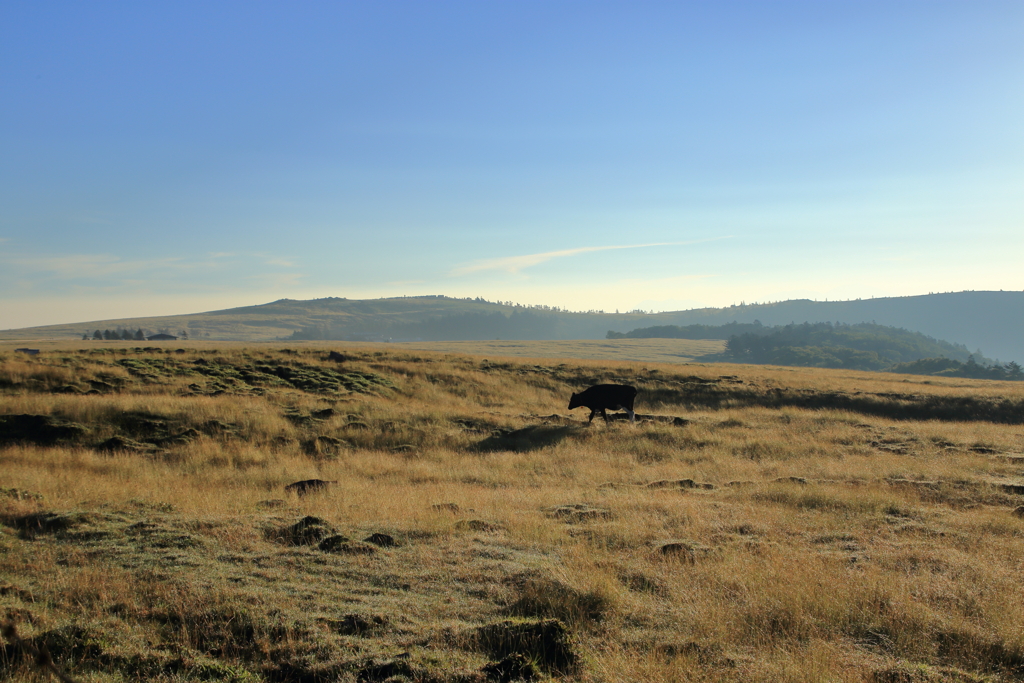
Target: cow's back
607,396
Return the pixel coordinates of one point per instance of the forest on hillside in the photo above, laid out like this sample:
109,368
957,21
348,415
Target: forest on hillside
863,346
689,331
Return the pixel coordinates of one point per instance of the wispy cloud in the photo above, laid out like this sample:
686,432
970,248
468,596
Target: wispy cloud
77,266
514,264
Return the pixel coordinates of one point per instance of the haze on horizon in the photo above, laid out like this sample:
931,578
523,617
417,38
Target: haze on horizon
181,157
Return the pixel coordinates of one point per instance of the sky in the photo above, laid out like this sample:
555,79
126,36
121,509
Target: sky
176,157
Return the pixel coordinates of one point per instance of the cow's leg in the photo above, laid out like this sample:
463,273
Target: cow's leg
632,415
604,414
593,412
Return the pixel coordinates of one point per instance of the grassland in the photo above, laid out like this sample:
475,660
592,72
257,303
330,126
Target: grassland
756,524
636,350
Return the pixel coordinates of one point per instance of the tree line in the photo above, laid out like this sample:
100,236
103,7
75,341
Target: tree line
124,334
860,346
947,367
690,331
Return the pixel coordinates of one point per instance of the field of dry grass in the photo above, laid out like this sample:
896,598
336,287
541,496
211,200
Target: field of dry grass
755,524
637,350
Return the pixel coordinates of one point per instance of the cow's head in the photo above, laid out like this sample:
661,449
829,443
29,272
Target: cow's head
574,402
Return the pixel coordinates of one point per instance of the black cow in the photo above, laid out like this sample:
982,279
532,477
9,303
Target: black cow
603,396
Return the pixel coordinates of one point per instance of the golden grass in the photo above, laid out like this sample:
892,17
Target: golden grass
637,350
761,540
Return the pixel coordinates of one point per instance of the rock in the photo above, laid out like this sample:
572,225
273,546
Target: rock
684,550
680,484
381,540
306,486
791,480
307,531
1013,488
336,357
578,512
445,507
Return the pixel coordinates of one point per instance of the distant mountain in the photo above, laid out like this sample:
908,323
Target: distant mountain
857,346
991,321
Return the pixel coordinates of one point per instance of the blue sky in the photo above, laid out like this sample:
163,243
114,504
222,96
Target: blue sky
176,157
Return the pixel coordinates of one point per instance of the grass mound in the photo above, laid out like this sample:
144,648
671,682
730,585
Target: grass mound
545,641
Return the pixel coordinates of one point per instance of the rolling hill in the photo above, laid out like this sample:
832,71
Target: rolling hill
991,321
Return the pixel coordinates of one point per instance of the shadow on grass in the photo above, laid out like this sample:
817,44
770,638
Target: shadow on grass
532,438
895,406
